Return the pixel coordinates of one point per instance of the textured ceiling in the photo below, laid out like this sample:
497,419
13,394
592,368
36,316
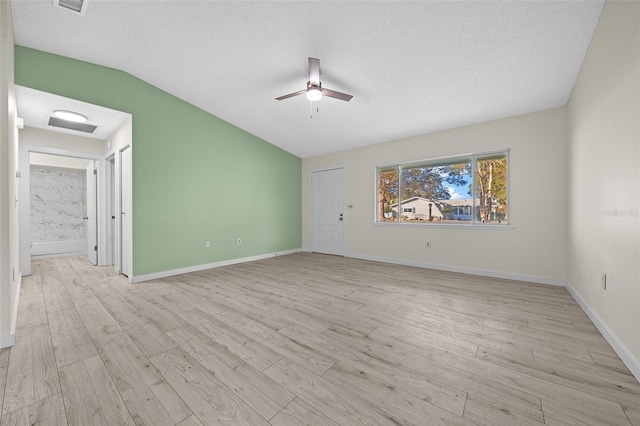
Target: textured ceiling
413,67
35,108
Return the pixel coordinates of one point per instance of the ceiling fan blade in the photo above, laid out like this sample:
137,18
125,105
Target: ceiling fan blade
337,95
291,95
314,71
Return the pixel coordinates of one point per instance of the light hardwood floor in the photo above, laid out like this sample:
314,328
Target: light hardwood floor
306,339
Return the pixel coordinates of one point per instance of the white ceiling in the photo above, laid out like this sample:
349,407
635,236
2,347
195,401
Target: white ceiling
35,107
413,67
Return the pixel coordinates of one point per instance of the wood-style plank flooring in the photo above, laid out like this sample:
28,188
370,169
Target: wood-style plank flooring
306,339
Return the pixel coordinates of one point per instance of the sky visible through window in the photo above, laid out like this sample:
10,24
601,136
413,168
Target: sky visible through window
459,192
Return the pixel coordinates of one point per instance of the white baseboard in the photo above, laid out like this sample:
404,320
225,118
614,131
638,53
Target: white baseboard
462,270
632,363
196,268
43,249
14,314
65,254
7,341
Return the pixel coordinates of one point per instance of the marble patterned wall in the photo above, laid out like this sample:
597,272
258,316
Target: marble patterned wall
58,199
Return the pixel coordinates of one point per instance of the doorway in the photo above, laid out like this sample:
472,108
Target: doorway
62,205
327,211
60,212
112,131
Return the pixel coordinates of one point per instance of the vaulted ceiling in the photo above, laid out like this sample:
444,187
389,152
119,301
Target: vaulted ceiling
413,67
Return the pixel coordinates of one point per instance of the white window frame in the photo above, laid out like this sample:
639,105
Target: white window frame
473,223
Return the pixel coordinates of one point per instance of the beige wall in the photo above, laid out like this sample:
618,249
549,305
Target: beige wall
41,138
46,138
535,249
9,225
58,161
604,179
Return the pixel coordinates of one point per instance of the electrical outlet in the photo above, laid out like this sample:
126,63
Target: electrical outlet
604,281
207,244
239,241
427,244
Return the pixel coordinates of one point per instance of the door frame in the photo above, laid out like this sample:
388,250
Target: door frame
310,204
25,196
120,238
91,191
110,206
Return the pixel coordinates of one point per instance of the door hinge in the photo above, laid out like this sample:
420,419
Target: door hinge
95,172
95,248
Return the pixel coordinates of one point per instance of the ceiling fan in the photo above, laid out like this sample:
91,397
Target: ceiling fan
315,91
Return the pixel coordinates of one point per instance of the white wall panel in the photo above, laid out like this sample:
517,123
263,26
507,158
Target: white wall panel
604,202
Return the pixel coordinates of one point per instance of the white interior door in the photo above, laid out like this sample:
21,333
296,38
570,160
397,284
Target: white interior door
126,210
91,217
327,194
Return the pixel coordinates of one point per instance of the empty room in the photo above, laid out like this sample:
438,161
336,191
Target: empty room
320,212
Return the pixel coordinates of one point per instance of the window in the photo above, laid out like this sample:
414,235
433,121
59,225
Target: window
468,189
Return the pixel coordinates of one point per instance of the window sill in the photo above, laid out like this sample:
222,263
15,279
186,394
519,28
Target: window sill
491,226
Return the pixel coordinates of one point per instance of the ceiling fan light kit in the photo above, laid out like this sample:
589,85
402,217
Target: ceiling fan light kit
314,91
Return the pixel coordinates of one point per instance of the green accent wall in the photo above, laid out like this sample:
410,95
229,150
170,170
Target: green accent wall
195,176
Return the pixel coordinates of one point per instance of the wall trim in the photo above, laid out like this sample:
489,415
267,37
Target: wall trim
7,340
463,270
64,247
65,254
196,268
14,314
632,363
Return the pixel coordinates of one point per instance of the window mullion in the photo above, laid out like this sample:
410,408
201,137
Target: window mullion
399,193
474,212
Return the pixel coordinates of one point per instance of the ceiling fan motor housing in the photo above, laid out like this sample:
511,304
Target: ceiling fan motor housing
314,90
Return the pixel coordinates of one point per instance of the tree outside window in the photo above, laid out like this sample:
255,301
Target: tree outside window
491,189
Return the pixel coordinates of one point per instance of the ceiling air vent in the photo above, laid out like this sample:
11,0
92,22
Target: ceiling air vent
77,6
70,125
